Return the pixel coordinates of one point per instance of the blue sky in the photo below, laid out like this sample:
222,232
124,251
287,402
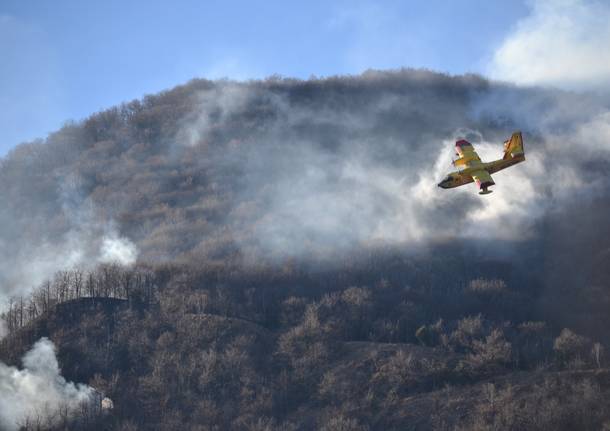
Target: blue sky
64,59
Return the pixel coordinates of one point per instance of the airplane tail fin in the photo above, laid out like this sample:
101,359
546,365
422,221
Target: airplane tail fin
513,148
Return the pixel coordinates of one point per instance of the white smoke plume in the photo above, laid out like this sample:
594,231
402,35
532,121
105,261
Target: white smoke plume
115,249
287,168
319,192
562,43
214,106
89,239
37,392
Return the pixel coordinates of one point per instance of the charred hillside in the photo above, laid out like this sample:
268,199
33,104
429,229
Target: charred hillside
276,255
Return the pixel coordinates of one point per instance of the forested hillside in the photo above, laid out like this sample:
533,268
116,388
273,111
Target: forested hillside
275,255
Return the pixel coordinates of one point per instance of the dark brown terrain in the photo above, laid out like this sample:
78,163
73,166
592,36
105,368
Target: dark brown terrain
242,312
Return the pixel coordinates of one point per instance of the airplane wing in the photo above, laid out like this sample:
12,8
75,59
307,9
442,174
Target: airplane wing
468,157
483,180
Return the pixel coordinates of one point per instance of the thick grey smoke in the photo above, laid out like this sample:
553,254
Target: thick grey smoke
340,164
283,168
37,393
321,175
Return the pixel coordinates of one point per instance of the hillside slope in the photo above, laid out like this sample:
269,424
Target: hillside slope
356,358
276,255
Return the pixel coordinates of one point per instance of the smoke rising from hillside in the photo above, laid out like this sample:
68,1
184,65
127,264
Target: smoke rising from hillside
320,173
61,228
327,175
37,392
38,262
282,169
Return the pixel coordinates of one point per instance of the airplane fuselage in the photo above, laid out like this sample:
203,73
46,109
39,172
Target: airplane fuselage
464,176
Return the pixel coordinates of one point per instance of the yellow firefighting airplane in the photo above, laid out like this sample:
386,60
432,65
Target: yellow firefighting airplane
472,169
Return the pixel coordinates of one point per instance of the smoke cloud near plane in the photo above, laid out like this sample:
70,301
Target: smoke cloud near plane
335,176
283,169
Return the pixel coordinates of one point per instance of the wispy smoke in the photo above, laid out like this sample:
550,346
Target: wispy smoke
89,237
322,175
214,107
37,392
562,42
296,169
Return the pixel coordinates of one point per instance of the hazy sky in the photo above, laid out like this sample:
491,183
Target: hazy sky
65,59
